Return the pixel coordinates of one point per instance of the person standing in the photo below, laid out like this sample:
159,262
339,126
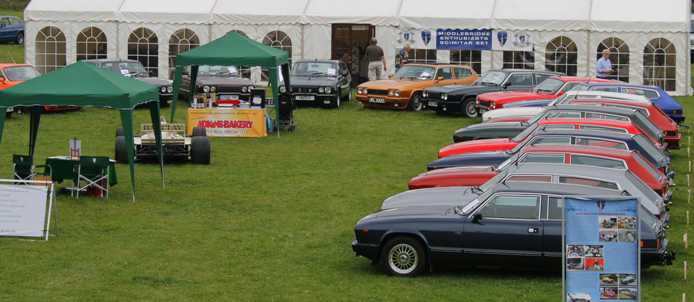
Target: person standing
403,57
376,59
603,70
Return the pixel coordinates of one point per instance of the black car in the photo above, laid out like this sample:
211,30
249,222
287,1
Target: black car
324,82
511,129
135,69
461,99
219,85
499,224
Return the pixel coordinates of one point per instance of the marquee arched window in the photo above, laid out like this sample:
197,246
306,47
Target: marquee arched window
181,41
280,40
472,58
619,56
519,60
50,49
660,64
143,46
91,44
561,55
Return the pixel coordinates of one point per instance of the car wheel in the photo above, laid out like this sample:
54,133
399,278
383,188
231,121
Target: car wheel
403,256
121,150
416,102
120,132
469,108
20,39
199,131
200,150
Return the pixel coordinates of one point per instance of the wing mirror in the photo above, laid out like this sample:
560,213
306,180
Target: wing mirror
477,218
439,79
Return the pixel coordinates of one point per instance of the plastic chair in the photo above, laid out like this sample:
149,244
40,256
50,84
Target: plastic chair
93,170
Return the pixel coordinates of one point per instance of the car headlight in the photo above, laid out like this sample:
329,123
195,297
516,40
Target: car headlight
163,89
328,90
321,90
206,89
396,92
361,90
213,88
244,89
425,94
283,89
250,88
444,96
169,89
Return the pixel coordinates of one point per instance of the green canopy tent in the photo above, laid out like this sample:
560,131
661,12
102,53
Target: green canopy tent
83,84
237,50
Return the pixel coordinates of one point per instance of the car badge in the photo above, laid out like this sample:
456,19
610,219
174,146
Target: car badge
426,37
502,36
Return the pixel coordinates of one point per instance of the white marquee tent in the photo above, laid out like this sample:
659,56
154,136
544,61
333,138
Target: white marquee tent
59,32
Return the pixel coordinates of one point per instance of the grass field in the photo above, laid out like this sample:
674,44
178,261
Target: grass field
270,219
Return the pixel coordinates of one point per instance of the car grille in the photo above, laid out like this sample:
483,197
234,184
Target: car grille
433,96
486,104
671,133
304,90
377,92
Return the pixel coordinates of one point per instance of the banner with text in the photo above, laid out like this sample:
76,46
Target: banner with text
23,210
601,249
228,122
464,39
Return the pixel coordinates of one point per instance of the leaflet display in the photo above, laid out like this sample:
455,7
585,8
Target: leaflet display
24,210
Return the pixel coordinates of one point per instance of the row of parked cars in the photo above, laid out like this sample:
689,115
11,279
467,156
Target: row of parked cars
494,197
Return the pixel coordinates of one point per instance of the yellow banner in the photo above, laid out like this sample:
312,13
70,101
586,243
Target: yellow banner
228,122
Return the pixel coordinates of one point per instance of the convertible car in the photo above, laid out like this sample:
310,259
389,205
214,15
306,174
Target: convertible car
496,224
623,180
459,99
404,91
557,137
510,129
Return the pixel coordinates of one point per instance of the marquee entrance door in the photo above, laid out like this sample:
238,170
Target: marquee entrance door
348,44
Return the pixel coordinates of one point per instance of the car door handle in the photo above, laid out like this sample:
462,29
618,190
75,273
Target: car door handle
533,230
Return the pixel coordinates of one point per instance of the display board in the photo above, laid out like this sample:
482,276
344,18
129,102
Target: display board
25,208
601,250
228,122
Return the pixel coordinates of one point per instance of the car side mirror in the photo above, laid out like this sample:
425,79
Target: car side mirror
477,218
507,84
439,79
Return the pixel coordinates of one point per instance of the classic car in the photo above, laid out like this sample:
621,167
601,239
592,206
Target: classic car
575,94
591,156
404,90
496,224
657,95
549,89
13,74
459,99
11,29
219,85
546,135
538,171
135,69
325,82
510,129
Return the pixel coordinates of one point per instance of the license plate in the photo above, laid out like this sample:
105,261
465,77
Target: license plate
305,98
233,97
377,101
433,104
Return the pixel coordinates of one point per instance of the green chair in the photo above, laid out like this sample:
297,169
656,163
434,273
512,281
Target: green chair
23,168
93,171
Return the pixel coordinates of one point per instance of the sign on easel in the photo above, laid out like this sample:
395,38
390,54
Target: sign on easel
25,209
601,250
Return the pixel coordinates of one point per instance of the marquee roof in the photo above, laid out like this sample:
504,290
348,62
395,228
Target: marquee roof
555,15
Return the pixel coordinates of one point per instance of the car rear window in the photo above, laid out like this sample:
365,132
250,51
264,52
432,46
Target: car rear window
588,182
583,141
530,178
602,128
543,158
597,162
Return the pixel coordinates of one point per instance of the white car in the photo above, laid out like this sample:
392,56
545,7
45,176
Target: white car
512,111
578,297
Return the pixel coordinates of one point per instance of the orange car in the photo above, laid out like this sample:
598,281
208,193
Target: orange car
13,74
404,90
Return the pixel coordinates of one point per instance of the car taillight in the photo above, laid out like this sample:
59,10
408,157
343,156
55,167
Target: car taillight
650,244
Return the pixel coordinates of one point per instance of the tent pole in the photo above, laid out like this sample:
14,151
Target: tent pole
126,116
178,78
34,128
3,112
154,112
275,99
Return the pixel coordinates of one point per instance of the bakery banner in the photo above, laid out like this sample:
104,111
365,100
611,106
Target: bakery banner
601,249
228,122
463,39
504,40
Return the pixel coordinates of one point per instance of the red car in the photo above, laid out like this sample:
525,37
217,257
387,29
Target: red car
13,74
571,155
505,144
549,89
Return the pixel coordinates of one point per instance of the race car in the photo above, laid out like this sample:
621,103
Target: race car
176,145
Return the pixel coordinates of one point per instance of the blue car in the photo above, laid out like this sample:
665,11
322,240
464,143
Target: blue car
11,29
657,95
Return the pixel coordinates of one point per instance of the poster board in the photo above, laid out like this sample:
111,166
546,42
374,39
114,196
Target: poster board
25,209
601,250
228,122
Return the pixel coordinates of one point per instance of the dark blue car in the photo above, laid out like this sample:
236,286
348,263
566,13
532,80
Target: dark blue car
11,29
657,95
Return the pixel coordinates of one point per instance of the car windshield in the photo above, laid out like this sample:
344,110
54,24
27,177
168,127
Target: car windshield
644,123
651,170
549,86
649,148
493,77
218,71
642,187
132,69
315,69
561,100
418,73
22,73
525,133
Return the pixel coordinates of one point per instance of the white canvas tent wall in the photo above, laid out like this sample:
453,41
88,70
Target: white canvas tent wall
309,24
